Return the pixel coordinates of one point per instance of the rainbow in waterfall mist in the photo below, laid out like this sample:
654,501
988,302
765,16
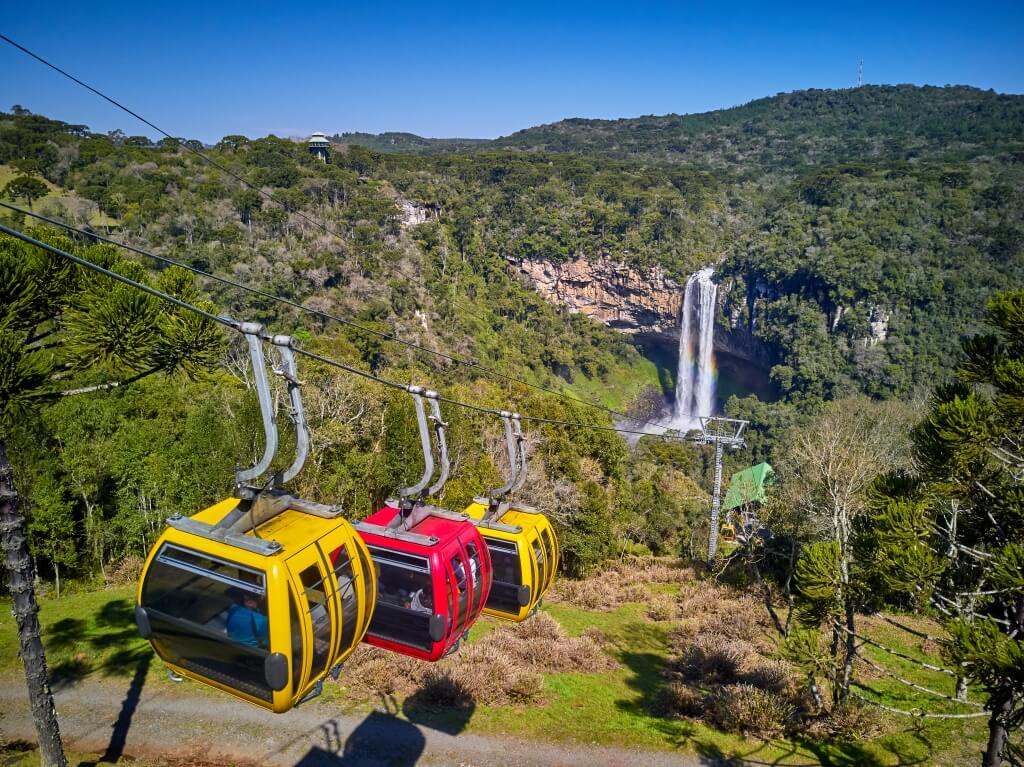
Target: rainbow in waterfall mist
696,374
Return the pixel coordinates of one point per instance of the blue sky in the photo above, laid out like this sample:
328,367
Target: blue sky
205,70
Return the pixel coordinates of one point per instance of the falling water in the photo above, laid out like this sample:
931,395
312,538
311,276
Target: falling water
695,379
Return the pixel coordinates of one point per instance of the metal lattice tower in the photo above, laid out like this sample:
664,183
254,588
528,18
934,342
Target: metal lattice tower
722,433
860,73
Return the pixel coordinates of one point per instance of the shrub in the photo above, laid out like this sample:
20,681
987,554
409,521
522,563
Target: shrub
743,708
711,658
677,700
771,675
441,688
503,667
618,583
663,609
128,571
847,723
527,688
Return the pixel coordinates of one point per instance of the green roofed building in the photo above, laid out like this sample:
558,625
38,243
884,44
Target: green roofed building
749,486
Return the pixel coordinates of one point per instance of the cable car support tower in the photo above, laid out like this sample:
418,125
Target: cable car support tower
720,432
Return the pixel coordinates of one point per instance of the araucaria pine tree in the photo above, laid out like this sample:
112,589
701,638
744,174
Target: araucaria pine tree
58,325
953,536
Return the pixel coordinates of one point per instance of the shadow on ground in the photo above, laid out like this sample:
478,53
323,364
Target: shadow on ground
110,635
382,739
119,735
795,754
421,708
647,680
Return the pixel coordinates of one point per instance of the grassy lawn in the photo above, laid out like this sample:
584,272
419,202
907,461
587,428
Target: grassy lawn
92,634
619,390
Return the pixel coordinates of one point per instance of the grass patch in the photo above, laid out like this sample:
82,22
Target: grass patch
571,695
57,201
90,632
618,391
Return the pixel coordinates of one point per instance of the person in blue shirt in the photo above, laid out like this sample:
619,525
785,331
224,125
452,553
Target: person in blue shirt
246,624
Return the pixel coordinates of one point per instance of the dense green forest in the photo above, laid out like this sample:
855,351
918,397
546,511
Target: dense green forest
824,211
859,237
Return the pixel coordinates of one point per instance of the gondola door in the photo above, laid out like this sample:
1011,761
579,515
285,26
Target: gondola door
318,610
460,587
540,560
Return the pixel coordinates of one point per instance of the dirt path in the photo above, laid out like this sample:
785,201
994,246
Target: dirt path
128,718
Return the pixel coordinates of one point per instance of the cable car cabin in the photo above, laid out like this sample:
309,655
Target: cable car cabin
433,578
263,615
728,532
524,553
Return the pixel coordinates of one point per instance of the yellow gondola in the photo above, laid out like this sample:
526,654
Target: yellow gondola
521,540
263,594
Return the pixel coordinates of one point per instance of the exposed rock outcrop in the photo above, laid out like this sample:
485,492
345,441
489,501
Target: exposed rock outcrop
623,297
411,214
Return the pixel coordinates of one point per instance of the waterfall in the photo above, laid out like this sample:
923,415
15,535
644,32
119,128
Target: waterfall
695,378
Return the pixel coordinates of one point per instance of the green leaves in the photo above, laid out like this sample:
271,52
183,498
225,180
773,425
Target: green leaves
1007,569
115,328
54,315
23,378
953,441
989,655
818,581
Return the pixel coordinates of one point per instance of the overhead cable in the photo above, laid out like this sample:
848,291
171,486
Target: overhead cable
311,220
326,315
234,325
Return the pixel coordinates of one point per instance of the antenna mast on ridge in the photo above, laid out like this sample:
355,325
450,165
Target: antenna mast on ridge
860,73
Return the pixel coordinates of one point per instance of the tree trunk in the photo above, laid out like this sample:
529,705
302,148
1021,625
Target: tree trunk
997,733
787,587
26,615
812,685
851,652
835,668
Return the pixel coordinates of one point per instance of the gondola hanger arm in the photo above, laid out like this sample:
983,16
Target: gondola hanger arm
442,443
413,491
520,479
254,334
289,371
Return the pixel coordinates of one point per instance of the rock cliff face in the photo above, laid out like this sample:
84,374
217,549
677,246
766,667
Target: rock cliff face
646,302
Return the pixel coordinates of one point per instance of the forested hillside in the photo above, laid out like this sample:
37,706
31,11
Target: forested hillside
828,214
805,128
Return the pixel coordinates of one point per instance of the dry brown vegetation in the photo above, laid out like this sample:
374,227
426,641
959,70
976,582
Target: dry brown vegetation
622,582
504,667
725,670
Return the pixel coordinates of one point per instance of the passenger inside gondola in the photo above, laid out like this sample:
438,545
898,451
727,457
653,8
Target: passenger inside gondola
404,598
246,622
191,599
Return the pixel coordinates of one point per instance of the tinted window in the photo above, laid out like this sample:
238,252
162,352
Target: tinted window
504,594
459,570
549,547
405,597
293,613
538,555
319,615
342,564
189,598
475,574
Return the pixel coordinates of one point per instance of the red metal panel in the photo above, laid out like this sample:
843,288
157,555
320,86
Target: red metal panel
452,536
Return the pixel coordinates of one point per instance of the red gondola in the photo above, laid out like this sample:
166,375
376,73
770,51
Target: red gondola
433,569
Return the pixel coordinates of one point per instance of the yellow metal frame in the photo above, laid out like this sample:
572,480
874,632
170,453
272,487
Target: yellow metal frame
296,532
532,526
